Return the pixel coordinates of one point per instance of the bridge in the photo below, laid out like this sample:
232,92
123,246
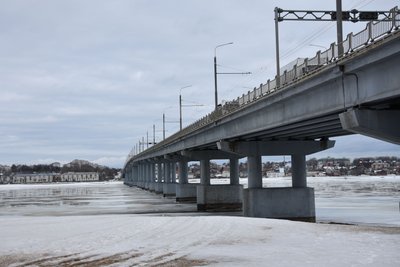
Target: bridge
326,96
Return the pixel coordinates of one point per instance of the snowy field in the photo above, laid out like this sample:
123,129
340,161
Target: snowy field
109,224
143,240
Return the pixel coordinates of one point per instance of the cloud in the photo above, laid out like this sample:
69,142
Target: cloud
89,78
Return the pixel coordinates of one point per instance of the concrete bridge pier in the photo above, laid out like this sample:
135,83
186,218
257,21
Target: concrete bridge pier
169,187
158,184
143,176
296,202
152,178
134,175
140,175
217,197
128,175
147,176
185,192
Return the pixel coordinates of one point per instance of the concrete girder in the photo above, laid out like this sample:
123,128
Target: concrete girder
176,158
379,124
209,154
275,148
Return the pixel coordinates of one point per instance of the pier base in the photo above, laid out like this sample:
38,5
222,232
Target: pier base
186,193
280,203
169,189
158,188
219,197
151,187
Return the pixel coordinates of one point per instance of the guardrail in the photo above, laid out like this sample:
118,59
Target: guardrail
373,31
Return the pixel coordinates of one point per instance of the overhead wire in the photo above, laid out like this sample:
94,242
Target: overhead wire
318,32
290,51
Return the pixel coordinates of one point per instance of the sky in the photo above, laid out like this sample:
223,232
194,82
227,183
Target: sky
89,79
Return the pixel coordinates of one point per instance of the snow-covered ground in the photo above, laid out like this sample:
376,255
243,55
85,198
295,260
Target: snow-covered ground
109,224
144,240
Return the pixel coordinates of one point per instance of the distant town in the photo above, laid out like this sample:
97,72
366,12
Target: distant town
85,171
75,171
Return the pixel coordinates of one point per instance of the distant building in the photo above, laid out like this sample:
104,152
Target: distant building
79,177
32,178
379,165
4,179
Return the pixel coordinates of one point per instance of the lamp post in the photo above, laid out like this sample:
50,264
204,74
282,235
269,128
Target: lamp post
180,106
163,125
339,27
215,72
278,67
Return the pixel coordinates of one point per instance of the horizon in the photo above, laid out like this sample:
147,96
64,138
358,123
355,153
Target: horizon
242,160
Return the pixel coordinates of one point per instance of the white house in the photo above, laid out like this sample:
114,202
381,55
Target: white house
21,178
79,177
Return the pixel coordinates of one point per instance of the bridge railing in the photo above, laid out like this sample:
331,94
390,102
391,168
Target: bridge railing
353,42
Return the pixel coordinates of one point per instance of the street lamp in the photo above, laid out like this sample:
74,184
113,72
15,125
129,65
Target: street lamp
165,121
215,72
180,105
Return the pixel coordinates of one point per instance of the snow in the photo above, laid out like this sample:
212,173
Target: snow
109,224
212,240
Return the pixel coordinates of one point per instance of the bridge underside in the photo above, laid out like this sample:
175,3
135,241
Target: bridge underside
357,94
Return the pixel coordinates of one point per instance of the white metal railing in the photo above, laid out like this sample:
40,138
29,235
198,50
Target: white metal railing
372,32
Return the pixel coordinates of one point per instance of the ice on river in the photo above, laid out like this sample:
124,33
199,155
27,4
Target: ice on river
109,224
154,240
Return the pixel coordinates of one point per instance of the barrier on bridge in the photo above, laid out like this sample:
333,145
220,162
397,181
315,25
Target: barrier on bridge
373,32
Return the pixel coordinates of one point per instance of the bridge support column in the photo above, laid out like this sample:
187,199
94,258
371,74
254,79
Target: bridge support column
131,175
150,175
185,192
158,184
221,197
296,202
140,175
173,172
299,173
147,177
205,172
135,175
234,171
169,188
254,171
152,182
128,174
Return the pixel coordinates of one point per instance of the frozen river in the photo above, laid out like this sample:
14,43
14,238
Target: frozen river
359,200
109,224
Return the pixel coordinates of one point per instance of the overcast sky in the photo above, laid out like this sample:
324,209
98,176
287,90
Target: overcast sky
88,79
